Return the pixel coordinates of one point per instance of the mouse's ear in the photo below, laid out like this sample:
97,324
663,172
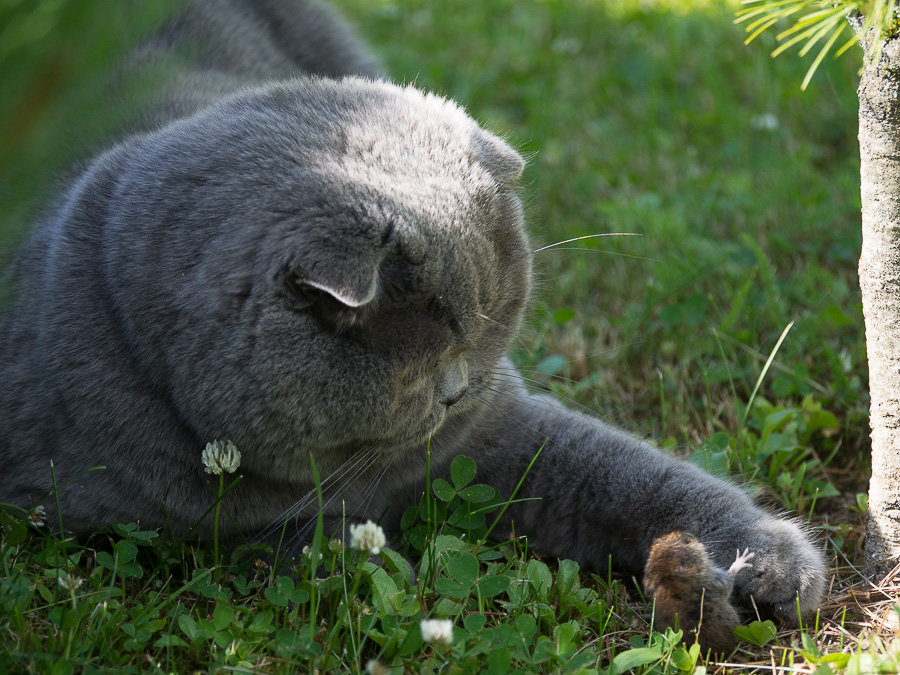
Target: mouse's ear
504,163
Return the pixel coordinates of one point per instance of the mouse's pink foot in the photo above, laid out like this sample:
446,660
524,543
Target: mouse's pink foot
741,561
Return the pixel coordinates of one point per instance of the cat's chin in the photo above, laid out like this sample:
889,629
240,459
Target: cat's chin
415,435
413,441
416,442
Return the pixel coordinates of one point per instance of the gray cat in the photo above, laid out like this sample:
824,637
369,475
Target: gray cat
293,254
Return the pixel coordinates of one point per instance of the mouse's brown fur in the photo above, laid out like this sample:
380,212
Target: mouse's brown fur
689,588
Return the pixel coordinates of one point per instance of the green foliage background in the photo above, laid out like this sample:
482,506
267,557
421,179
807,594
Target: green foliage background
57,64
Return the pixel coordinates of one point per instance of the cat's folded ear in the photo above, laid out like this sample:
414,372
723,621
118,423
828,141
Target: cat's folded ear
350,287
504,163
349,294
351,280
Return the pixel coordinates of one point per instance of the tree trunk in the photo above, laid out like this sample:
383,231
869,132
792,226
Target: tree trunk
879,279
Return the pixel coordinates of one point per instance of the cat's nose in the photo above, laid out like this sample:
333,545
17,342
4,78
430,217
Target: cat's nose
455,382
455,398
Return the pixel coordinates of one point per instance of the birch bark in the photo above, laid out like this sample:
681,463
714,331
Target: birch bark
879,278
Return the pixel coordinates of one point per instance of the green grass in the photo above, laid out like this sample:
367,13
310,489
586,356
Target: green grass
134,601
650,118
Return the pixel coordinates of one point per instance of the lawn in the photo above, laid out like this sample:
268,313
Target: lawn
729,201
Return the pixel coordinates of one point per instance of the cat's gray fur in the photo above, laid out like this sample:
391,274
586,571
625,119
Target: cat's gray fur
328,266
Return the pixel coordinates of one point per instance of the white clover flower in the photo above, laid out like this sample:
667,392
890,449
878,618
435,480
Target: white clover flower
307,553
70,582
37,517
369,537
437,630
219,457
375,668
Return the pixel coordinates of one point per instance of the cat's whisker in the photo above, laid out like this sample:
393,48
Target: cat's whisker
303,526
359,469
353,466
541,385
300,535
511,376
516,375
326,488
571,402
287,515
303,532
372,488
615,253
588,236
487,318
548,376
538,433
352,462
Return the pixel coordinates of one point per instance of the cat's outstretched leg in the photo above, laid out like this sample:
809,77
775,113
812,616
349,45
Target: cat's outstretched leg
597,492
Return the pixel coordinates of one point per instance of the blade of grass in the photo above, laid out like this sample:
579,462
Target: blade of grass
762,375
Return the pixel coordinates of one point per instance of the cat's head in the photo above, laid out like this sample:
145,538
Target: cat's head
320,266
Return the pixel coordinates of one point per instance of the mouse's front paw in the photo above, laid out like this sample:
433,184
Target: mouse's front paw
787,577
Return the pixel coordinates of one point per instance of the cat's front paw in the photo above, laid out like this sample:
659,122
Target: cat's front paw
787,576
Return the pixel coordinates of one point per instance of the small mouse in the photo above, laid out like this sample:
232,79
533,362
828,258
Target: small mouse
686,584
